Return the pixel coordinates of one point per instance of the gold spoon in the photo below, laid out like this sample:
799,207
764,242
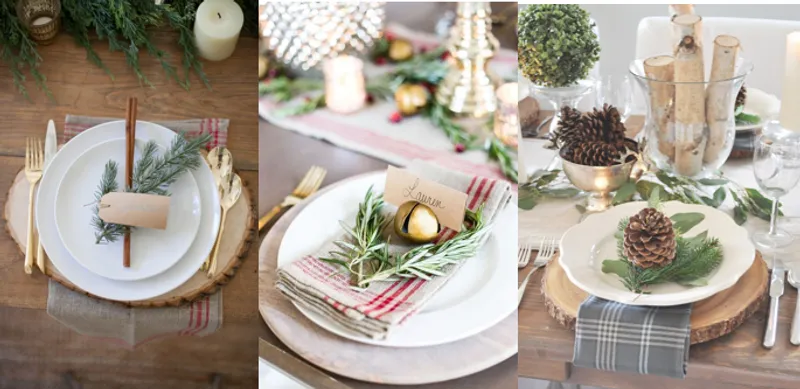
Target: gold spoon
220,160
229,194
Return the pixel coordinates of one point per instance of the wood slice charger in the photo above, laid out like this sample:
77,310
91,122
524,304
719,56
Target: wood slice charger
240,230
711,318
365,362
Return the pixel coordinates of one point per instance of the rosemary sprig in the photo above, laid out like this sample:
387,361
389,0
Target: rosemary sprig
308,105
152,174
364,252
18,50
441,118
283,88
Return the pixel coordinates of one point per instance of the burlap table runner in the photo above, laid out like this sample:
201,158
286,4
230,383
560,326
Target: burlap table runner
133,326
323,288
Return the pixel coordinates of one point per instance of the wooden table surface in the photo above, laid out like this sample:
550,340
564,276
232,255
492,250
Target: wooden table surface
36,351
735,361
286,156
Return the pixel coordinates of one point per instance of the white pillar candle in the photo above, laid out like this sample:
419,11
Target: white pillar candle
345,91
216,28
790,103
506,118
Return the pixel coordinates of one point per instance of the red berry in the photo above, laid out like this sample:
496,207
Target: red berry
380,61
460,148
389,36
370,98
430,87
395,117
272,73
423,50
445,55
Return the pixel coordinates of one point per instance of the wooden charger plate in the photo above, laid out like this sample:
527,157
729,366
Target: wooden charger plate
711,318
240,229
384,365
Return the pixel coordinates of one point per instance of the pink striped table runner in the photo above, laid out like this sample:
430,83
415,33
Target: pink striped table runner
370,132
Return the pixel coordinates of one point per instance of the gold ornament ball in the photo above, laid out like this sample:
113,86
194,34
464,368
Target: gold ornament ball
400,50
410,98
416,222
263,66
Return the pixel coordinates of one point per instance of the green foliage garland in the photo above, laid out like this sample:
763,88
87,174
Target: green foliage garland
557,46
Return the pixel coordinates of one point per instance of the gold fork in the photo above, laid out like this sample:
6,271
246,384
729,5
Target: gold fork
34,161
308,185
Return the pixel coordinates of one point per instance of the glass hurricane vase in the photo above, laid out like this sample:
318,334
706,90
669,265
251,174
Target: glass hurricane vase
689,127
568,96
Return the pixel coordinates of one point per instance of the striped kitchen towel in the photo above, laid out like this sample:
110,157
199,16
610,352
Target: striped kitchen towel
325,289
632,338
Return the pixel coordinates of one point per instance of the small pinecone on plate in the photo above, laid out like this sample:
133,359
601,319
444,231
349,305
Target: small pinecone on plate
649,239
606,124
741,97
593,153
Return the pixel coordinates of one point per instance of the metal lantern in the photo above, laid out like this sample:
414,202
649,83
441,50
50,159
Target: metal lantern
303,34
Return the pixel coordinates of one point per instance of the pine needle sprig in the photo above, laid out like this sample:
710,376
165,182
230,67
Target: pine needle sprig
152,174
308,105
19,50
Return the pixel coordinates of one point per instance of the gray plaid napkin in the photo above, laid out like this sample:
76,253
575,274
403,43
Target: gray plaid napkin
635,339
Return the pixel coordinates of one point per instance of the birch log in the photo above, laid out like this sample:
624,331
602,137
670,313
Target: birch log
680,9
662,93
719,111
690,116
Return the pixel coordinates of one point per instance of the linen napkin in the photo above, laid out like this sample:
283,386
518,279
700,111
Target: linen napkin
324,288
134,326
634,339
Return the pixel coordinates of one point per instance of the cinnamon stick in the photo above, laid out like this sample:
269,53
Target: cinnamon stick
130,142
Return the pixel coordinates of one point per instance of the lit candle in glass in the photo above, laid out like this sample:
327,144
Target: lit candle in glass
790,103
216,28
506,117
345,91
42,18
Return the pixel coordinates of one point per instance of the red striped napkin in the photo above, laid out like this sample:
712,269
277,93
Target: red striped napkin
134,326
323,288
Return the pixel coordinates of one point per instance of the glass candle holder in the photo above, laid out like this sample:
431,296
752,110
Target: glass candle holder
42,18
345,90
506,118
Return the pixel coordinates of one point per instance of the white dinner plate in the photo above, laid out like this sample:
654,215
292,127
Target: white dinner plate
152,251
584,247
100,286
478,297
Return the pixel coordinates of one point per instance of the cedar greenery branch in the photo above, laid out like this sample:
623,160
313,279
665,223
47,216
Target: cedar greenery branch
557,46
124,24
364,252
152,174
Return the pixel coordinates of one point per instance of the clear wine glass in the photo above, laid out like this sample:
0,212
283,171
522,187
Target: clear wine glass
776,164
616,91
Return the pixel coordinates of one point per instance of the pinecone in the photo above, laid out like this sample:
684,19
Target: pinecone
593,153
569,129
649,239
741,97
606,124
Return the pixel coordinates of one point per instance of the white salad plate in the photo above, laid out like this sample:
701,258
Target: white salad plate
152,251
584,247
473,300
100,286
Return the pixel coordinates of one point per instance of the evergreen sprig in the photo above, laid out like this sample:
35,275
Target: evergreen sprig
695,259
364,252
152,174
541,185
18,50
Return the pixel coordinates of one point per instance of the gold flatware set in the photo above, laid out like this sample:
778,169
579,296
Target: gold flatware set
307,186
229,187
34,166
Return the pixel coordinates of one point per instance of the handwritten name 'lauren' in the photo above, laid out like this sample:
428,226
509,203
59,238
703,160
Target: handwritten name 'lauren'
420,197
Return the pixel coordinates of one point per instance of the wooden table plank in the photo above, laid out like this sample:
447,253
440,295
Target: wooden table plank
35,350
734,361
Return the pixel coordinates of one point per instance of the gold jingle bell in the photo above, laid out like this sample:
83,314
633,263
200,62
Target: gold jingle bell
410,98
400,50
416,222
